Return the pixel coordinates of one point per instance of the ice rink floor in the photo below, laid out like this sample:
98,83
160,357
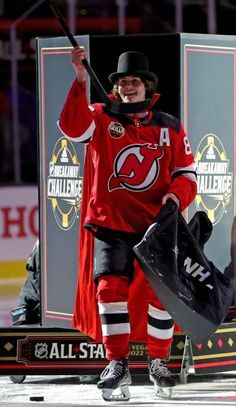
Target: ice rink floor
214,390
71,391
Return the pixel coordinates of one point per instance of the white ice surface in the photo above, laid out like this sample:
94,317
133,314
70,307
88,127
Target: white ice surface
214,390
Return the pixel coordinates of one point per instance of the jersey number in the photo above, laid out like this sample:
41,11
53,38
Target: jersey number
187,147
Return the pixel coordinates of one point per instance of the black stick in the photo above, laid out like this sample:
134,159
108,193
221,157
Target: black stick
114,107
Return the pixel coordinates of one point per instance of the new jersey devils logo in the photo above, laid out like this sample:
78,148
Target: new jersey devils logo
136,167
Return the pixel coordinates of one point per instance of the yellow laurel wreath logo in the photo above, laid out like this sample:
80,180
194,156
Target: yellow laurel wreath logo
64,185
215,181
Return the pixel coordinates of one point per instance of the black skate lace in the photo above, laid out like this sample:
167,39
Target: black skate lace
159,368
114,370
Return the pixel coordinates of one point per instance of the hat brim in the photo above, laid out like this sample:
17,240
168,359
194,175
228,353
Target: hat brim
150,76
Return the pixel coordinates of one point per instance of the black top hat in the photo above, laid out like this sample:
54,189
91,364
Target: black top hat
135,64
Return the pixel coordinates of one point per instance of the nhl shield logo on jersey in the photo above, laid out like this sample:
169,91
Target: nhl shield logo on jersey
136,167
116,130
215,181
64,184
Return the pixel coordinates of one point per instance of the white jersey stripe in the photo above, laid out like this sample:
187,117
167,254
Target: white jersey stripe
86,136
157,313
113,307
160,333
191,167
115,329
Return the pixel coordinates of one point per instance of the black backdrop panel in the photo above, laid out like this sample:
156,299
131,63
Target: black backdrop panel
163,52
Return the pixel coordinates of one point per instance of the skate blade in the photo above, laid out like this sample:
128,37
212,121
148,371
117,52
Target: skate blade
163,392
120,394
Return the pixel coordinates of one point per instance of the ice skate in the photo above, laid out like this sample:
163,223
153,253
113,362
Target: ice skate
114,381
161,377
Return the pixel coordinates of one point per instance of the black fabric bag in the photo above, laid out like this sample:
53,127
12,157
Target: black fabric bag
27,309
194,292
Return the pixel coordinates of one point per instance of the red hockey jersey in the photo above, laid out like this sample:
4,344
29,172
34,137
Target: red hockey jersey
130,165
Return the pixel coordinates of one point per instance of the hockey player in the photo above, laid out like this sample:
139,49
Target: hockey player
135,162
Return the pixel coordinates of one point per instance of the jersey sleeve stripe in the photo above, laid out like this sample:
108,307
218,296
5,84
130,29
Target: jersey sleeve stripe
188,172
86,136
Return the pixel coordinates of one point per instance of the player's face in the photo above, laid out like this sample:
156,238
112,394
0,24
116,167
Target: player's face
131,89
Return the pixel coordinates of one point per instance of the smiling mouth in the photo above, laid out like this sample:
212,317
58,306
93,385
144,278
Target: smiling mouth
129,96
